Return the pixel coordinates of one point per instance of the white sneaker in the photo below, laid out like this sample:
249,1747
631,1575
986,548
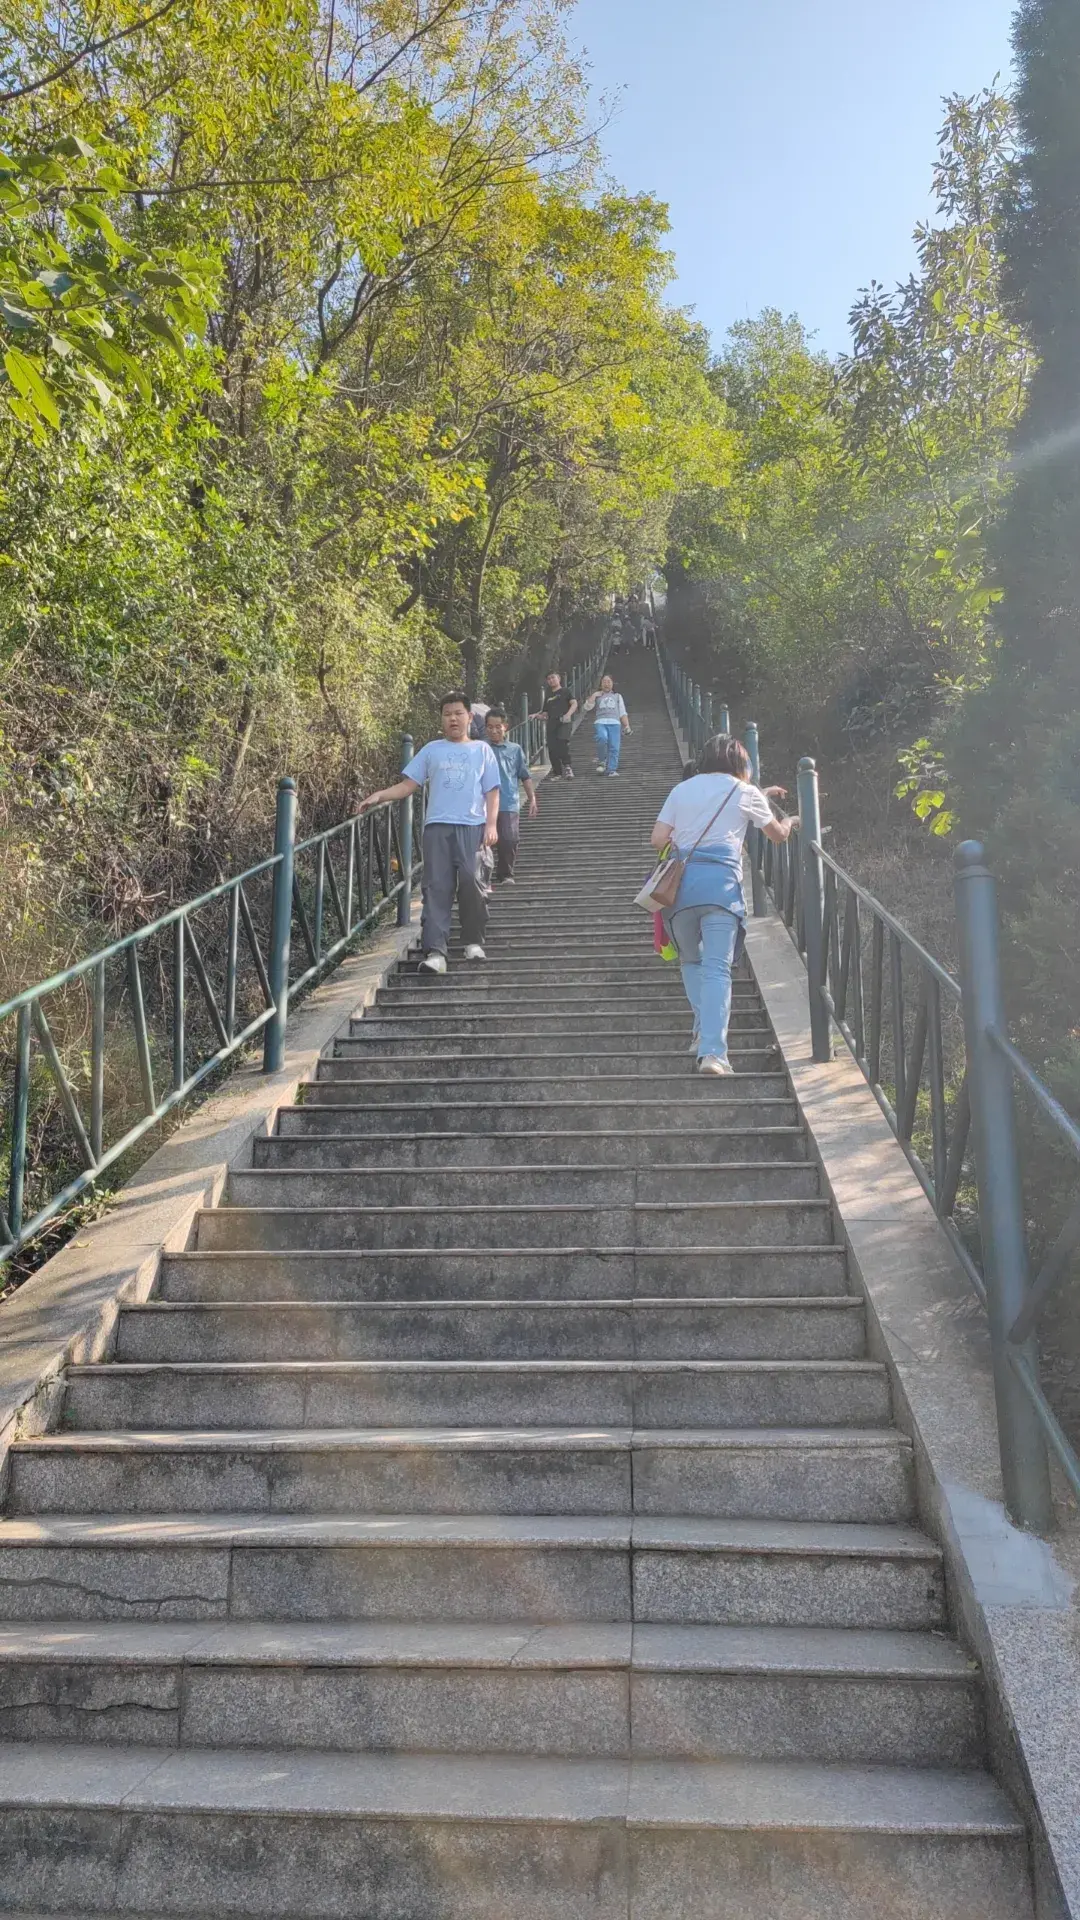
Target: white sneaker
712,1064
569,774
433,963
475,953
600,769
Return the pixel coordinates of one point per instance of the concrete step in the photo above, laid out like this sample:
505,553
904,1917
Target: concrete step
538,1029
702,1693
613,1329
675,1224
783,1473
604,978
307,1836
496,994
551,943
341,1079
548,956
527,1052
439,1393
323,1114
499,1273
719,1146
686,1571
532,1185
481,1065
601,950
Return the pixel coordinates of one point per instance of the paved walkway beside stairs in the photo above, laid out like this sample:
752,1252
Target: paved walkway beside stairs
496,1515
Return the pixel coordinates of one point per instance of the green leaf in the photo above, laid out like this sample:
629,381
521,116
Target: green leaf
928,803
27,380
99,386
76,148
55,281
168,277
157,325
19,319
87,215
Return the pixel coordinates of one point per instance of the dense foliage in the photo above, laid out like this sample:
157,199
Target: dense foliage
1017,751
332,370
844,569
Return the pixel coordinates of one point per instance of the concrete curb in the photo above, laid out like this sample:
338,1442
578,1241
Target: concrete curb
66,1313
1015,1597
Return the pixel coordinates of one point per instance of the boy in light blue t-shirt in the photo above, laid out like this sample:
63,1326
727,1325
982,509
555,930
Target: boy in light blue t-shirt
514,773
462,780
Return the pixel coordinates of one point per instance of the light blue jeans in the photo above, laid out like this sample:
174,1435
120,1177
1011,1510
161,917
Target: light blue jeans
608,744
705,937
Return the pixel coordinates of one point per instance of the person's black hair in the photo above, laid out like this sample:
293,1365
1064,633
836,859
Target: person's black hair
724,754
494,713
455,700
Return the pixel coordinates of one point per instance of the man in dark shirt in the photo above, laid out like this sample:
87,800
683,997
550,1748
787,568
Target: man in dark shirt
558,711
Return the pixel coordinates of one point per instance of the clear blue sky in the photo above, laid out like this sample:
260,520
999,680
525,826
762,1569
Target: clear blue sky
792,139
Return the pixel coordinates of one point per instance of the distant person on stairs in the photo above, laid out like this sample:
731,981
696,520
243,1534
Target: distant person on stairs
705,821
462,779
610,722
514,774
558,712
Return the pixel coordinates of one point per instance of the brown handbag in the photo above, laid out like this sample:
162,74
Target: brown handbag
661,889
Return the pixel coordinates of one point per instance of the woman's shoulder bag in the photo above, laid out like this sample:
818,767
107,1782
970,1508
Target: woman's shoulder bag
661,889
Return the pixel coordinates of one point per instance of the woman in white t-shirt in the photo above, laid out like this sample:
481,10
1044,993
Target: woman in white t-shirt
706,820
611,721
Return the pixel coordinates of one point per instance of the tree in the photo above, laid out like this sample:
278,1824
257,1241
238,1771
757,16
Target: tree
437,409
1017,745
846,566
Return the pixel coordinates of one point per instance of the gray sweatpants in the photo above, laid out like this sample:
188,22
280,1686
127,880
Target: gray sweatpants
449,866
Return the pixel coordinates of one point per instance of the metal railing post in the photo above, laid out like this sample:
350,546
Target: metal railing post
526,727
405,837
707,716
757,838
1024,1467
813,901
725,718
281,924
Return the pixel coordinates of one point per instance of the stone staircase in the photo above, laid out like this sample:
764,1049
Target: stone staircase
496,1515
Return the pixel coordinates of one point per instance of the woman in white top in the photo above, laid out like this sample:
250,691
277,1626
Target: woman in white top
611,721
705,820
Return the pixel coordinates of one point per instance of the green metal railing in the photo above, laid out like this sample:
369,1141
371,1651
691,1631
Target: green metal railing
936,1054
167,1006
177,1007
902,1025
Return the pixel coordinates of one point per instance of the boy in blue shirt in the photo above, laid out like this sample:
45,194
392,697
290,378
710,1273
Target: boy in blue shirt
514,774
462,779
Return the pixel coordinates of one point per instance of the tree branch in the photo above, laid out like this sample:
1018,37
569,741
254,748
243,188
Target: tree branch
91,47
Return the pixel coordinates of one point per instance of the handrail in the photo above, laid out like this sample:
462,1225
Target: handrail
956,1130
943,976
895,1032
243,992
325,892
79,967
